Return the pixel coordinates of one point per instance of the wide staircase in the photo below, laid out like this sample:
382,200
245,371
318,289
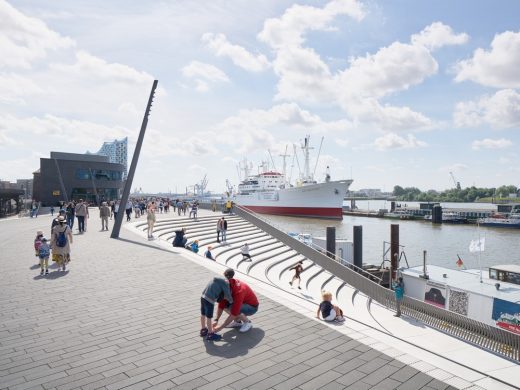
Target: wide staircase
271,263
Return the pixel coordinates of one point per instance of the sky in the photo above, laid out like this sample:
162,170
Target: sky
402,92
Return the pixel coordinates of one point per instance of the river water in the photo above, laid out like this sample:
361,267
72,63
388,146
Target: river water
442,242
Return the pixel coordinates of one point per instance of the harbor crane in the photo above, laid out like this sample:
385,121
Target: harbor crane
457,183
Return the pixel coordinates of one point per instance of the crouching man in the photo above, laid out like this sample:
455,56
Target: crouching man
245,303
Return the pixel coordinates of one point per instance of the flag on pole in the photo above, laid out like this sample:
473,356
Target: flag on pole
477,245
460,263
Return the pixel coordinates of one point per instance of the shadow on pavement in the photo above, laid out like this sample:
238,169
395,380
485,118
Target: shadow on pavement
52,275
144,244
234,343
35,266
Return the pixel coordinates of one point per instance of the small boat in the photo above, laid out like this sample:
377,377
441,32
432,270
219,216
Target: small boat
449,217
400,214
511,220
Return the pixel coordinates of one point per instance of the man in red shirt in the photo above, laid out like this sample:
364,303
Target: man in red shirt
245,303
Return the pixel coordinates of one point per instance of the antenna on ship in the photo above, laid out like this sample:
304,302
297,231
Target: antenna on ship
297,161
284,157
305,148
318,158
272,161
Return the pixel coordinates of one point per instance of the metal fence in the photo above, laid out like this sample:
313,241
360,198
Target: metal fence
496,340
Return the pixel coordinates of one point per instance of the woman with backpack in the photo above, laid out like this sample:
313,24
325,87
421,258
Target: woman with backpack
60,242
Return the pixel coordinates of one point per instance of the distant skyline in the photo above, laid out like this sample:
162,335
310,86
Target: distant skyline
403,91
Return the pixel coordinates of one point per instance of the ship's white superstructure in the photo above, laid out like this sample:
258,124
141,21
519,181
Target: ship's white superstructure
269,192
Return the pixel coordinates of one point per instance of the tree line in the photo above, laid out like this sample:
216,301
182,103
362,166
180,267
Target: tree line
469,194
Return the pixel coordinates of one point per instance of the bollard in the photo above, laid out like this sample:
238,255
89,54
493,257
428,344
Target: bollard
331,242
358,246
394,249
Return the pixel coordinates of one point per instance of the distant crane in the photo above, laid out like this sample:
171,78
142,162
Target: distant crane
457,183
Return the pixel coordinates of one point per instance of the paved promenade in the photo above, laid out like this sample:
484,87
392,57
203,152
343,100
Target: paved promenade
126,315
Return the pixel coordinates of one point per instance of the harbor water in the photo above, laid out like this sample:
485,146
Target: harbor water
442,242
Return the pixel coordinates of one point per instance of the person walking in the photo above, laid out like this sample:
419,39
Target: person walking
222,229
43,253
104,213
52,211
70,211
60,243
150,219
245,303
81,213
193,210
399,295
298,269
179,207
128,210
244,249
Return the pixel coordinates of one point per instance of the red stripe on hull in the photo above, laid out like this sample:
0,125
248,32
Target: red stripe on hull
330,213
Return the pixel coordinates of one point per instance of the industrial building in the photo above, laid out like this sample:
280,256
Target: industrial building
69,176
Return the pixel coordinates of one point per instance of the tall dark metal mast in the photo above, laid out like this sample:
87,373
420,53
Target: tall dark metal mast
131,172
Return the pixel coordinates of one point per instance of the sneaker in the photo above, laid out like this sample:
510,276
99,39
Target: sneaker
235,324
290,283
213,337
41,272
299,288
46,272
246,326
204,332
340,319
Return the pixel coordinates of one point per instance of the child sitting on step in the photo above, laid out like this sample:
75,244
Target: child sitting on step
328,311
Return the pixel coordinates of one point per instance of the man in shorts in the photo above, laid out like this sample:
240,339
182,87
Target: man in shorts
216,290
245,303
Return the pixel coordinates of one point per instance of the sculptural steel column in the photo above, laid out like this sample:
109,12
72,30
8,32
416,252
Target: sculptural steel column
128,185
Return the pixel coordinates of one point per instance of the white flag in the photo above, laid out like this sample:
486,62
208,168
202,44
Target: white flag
477,245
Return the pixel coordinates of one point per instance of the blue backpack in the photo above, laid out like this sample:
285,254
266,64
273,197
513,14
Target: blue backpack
61,240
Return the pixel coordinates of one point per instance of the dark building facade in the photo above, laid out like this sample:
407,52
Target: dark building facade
69,176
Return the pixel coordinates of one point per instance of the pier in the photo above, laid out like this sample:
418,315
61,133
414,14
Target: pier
125,315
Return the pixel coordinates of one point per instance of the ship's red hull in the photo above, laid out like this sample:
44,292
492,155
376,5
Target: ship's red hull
311,212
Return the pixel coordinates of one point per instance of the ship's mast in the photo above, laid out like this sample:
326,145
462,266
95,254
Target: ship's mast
244,166
284,157
305,147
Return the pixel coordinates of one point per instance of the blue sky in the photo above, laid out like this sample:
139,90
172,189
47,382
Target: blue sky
404,92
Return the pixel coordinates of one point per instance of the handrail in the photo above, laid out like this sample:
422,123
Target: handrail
490,338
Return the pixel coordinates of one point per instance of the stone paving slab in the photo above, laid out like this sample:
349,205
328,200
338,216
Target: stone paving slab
126,315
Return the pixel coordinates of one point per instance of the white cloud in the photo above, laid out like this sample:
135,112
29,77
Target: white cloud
437,35
488,143
390,69
88,66
203,74
14,88
497,67
59,130
342,142
251,126
24,40
219,44
394,141
501,110
289,29
305,77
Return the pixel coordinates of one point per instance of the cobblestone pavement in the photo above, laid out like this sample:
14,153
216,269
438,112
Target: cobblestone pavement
126,315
